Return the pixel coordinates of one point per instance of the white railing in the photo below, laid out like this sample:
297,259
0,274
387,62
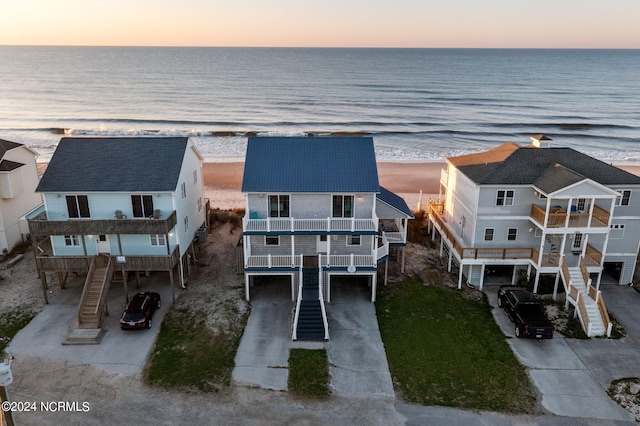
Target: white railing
272,261
347,260
325,322
383,250
329,224
298,302
394,237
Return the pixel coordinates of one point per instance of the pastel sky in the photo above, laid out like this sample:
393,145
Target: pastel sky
330,23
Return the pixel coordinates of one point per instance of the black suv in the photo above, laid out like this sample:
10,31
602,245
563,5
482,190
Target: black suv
139,311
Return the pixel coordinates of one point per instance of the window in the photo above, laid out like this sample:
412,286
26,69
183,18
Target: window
200,204
272,241
505,198
623,199
278,206
617,231
488,234
142,205
184,190
195,177
71,240
78,206
158,240
577,241
186,224
582,204
343,206
353,240
512,234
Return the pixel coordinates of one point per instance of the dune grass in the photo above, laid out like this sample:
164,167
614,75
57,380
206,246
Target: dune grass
445,349
308,373
188,354
12,321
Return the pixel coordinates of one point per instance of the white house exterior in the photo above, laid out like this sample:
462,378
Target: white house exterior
311,213
18,181
138,202
539,209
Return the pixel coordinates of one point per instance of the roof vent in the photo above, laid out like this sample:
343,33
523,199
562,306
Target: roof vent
541,141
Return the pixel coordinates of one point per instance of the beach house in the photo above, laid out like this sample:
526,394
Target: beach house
124,204
18,181
539,210
315,211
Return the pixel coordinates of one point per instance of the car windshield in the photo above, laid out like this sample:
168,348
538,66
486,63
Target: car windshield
132,316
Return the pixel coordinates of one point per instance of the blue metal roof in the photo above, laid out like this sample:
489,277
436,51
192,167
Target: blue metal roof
394,201
114,164
310,164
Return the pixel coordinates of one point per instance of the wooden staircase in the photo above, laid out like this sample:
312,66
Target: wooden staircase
96,287
311,319
588,301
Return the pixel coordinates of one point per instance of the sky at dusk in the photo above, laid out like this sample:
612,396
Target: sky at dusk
327,23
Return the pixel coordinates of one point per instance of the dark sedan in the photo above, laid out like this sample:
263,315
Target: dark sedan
139,311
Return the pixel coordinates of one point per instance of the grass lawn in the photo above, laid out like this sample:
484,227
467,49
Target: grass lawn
308,373
12,321
444,349
188,354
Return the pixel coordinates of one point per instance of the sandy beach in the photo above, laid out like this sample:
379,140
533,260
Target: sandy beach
223,181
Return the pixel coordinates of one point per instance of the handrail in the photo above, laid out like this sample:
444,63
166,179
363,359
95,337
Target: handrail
325,323
104,288
327,224
605,315
298,302
85,290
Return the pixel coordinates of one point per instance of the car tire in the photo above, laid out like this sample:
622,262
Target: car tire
499,302
518,332
149,323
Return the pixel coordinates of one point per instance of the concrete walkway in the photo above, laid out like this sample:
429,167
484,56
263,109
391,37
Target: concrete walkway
358,363
561,370
119,351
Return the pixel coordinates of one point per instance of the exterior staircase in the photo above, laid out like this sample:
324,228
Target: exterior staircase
92,303
587,300
311,324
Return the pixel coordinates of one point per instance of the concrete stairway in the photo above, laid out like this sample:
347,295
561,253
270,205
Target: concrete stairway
595,318
310,325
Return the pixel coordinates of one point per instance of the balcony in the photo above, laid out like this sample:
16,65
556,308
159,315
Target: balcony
291,225
558,218
162,225
46,261
327,261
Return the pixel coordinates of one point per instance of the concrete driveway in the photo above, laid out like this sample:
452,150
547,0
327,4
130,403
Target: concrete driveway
564,370
119,351
358,362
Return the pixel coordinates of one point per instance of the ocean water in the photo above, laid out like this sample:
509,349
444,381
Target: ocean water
418,104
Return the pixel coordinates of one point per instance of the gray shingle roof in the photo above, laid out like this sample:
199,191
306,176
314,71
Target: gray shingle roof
6,146
310,164
394,201
8,165
527,165
114,165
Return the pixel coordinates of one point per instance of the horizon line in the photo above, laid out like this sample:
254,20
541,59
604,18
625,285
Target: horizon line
319,47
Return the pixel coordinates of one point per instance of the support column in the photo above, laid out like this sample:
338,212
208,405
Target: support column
481,276
170,283
43,279
403,258
246,287
535,284
386,271
459,277
126,290
374,278
555,286
293,288
449,263
514,276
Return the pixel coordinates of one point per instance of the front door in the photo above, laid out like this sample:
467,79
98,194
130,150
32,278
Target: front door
321,244
103,244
